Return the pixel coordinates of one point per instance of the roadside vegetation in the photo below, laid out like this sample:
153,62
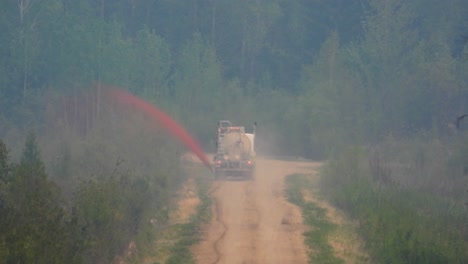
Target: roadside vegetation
330,239
377,87
408,198
98,200
188,234
317,238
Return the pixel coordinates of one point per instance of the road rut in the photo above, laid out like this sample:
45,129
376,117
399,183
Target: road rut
251,220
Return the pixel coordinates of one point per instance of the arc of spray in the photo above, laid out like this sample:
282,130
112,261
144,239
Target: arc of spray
168,123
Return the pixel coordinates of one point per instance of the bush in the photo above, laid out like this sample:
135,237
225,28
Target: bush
400,224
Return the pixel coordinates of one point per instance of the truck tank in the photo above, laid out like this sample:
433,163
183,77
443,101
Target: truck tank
236,146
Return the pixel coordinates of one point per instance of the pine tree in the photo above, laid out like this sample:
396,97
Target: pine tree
35,225
4,176
4,166
30,159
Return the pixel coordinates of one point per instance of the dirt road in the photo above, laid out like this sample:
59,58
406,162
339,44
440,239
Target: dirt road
251,220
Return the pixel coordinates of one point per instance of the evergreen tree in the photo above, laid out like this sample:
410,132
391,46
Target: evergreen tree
35,225
4,164
4,212
31,160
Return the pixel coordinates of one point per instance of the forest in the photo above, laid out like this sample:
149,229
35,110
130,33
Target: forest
372,87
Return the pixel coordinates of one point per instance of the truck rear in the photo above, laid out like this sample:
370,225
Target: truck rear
235,154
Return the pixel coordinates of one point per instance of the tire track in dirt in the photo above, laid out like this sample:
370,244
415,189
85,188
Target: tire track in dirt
218,210
219,219
252,223
253,218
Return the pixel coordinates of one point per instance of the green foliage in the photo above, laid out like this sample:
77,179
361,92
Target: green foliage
315,216
400,225
4,163
189,233
314,77
4,179
460,157
153,61
34,224
31,157
338,76
106,205
390,82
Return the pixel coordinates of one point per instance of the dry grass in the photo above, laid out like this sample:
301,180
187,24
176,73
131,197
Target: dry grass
346,243
187,203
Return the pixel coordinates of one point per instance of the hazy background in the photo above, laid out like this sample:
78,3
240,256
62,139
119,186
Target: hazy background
387,77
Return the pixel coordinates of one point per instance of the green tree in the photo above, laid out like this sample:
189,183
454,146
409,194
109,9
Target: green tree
35,224
4,179
198,86
152,65
4,164
30,158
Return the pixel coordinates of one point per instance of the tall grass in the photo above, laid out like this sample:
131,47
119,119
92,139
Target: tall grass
402,219
317,238
189,233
